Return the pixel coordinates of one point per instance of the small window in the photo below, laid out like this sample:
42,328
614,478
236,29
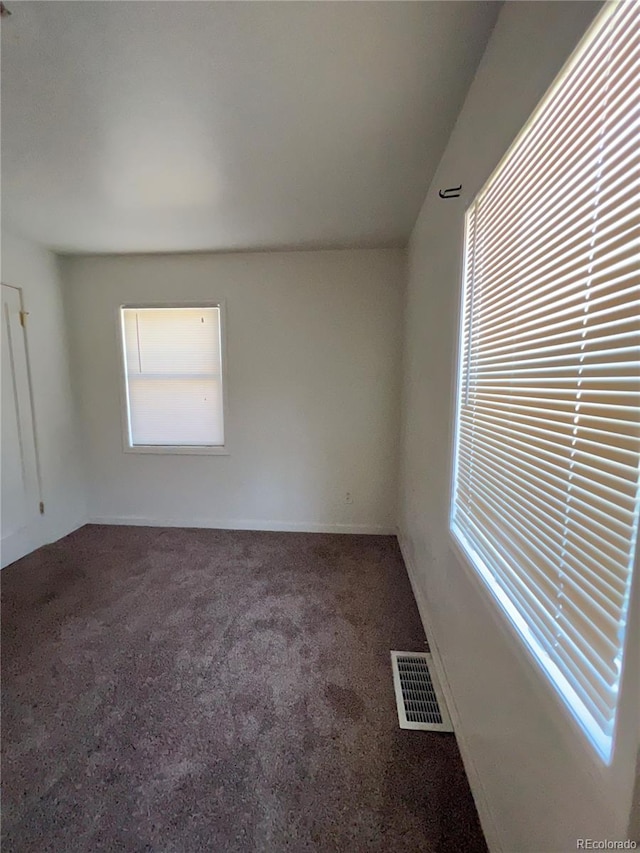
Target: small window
546,489
173,378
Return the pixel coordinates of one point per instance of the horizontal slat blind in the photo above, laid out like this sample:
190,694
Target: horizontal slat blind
173,376
545,499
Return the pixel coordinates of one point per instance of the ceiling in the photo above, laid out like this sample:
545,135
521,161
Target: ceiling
190,126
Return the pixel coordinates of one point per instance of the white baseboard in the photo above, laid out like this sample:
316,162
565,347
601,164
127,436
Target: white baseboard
489,825
247,524
59,532
27,541
16,546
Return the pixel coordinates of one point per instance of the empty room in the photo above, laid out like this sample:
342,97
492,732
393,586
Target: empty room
320,426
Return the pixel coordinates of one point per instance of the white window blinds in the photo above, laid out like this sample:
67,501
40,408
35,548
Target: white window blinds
545,499
173,376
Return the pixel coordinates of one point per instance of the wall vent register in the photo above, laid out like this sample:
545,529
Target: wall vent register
419,698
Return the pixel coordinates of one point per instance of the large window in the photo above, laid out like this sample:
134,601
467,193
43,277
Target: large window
545,498
173,378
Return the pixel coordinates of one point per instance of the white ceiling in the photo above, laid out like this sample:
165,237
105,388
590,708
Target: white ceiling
185,126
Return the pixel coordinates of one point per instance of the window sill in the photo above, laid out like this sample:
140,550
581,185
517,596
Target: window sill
569,728
182,450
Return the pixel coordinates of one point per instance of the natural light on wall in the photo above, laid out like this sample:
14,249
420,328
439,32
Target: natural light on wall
173,373
545,495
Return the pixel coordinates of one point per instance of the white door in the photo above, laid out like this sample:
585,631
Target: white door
20,499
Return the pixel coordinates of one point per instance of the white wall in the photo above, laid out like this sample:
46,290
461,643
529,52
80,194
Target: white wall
313,377
35,270
533,776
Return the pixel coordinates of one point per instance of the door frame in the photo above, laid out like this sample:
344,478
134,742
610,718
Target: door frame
29,534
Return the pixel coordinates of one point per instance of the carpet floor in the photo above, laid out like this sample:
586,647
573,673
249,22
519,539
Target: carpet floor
179,691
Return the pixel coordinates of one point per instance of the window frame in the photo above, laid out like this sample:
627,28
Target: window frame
580,745
172,449
515,631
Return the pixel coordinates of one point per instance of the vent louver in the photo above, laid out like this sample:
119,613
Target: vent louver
418,695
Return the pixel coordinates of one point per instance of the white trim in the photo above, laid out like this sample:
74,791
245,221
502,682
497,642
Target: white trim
487,820
21,541
572,733
16,546
55,535
565,700
179,450
36,541
25,332
246,524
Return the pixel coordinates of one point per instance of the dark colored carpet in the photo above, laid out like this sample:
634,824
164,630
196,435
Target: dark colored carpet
201,690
